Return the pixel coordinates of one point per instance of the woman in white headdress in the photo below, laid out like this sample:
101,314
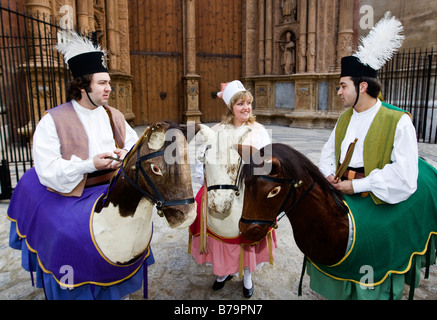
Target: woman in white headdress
223,255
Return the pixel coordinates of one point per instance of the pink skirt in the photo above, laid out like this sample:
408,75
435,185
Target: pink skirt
229,258
225,257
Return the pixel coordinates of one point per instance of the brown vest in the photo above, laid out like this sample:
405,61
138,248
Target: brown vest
74,139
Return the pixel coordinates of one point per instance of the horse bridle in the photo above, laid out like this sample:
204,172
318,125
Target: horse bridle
294,185
226,186
158,199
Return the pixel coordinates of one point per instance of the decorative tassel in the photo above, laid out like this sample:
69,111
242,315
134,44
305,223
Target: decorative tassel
270,244
240,268
203,223
190,242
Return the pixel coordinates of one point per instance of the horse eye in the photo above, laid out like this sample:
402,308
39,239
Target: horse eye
156,169
274,192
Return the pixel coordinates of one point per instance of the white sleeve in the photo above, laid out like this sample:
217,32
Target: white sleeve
398,180
131,137
327,165
53,171
263,138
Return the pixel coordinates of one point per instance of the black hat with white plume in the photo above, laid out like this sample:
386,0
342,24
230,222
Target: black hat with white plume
81,55
375,49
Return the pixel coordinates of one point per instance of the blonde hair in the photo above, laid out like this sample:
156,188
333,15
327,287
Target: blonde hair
229,117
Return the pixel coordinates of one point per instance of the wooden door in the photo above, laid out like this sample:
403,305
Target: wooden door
156,41
219,52
156,53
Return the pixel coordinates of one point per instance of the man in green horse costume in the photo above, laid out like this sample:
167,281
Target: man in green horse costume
372,157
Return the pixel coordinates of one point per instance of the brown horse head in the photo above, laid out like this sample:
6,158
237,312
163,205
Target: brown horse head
262,198
157,168
267,194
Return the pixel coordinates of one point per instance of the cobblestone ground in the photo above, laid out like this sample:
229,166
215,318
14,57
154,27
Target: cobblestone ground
175,275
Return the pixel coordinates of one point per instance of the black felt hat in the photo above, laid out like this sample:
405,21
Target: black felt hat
81,54
351,66
87,63
378,47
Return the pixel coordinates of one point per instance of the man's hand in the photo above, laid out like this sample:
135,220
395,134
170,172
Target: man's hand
101,162
345,186
104,161
121,154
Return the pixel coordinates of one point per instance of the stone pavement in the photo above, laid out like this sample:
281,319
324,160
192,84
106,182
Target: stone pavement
175,275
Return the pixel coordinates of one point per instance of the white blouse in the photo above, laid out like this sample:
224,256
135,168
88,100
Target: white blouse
393,183
64,175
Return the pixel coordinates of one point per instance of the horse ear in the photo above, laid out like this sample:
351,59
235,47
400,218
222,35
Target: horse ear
246,152
206,132
276,166
189,130
156,137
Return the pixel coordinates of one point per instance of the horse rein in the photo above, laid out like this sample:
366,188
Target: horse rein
294,185
226,186
158,200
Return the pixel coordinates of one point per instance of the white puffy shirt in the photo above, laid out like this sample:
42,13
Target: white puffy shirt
64,175
393,183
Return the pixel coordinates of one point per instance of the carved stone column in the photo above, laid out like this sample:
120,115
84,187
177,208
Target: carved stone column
302,36
82,16
249,38
40,9
111,33
311,41
39,53
41,6
191,78
117,42
346,31
261,37
269,37
91,20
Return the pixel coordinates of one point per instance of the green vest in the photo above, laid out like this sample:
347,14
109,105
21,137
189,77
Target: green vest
378,144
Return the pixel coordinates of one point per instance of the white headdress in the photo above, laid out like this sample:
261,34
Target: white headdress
229,89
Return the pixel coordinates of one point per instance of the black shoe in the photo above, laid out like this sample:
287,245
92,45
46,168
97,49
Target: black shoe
247,292
218,285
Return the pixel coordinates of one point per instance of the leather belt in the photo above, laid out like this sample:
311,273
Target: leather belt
98,177
351,174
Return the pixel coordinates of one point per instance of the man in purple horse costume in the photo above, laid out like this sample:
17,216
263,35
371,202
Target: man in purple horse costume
50,207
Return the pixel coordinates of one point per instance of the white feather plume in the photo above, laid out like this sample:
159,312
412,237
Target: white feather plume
381,43
71,44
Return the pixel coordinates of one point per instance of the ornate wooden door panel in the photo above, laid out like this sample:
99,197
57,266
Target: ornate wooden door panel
219,51
156,42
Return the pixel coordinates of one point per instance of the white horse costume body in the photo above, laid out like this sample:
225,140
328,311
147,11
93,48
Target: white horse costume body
216,238
222,165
